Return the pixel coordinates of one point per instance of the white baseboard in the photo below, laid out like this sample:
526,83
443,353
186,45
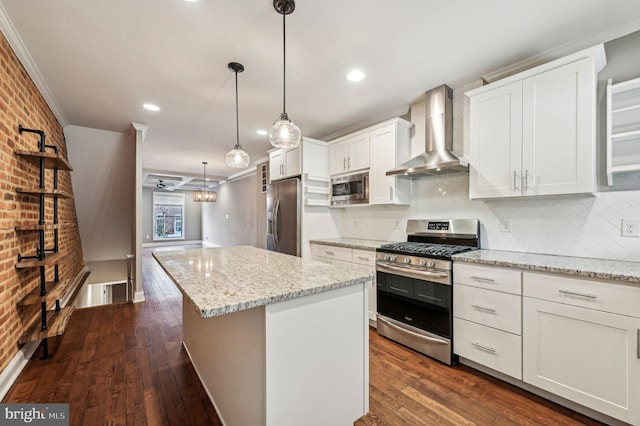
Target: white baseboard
138,296
173,243
208,244
15,367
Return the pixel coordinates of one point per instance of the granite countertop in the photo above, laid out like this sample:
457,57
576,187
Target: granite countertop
355,243
615,270
218,281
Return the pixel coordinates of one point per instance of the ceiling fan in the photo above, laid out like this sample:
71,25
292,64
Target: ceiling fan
161,185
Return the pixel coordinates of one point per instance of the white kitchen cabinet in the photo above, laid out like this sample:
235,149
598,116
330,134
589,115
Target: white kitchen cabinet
349,154
534,133
390,146
487,324
578,345
285,163
355,259
623,128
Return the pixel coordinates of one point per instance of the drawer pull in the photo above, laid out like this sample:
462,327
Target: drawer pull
484,308
366,259
430,297
638,345
484,280
483,347
571,293
329,253
402,290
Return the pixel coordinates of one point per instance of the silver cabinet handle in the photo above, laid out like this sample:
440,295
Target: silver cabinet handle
404,330
402,290
572,293
344,163
366,259
526,180
638,345
515,177
329,253
407,272
484,308
391,193
484,280
349,163
483,347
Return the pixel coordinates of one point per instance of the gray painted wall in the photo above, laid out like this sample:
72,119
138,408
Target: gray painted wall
103,185
192,218
231,220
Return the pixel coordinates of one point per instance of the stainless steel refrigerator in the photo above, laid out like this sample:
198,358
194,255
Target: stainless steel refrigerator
284,202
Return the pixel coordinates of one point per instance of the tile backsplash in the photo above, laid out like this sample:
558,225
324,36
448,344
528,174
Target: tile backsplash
584,226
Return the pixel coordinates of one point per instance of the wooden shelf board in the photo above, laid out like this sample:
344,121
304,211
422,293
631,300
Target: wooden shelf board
51,160
37,227
55,193
50,259
56,325
55,290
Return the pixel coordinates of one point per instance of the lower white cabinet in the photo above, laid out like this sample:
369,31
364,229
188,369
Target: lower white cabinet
487,324
356,259
574,348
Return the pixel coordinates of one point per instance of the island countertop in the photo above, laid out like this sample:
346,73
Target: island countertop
221,280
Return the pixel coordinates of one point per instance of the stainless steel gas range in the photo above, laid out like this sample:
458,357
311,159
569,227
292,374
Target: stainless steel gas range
415,284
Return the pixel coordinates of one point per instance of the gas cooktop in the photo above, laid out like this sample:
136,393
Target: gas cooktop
425,249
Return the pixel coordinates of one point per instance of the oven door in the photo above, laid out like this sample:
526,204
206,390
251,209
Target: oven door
416,313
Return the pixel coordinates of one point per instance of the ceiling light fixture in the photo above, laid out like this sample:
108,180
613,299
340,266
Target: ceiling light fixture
355,75
204,195
237,157
151,107
284,133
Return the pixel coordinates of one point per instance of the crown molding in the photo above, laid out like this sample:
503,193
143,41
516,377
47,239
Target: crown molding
15,41
141,128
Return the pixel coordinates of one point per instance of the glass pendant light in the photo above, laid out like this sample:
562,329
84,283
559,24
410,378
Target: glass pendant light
237,157
204,195
284,133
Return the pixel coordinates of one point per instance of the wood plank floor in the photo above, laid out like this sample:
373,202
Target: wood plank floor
125,365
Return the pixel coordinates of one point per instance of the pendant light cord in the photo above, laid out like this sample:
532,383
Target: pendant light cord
237,115
284,64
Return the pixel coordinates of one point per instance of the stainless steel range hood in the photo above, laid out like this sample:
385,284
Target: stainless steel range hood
437,158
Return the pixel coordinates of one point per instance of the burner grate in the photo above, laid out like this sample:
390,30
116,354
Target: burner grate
426,248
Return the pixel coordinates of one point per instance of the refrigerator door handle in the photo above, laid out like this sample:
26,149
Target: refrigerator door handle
275,230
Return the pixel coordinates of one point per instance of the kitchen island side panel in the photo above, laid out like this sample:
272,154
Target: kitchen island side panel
317,359
228,353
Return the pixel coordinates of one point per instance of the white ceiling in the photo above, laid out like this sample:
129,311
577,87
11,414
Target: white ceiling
101,60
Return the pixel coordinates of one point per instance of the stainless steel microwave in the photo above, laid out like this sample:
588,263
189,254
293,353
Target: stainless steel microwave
351,189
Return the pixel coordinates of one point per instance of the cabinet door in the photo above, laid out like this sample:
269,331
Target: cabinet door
371,285
496,143
587,356
276,164
559,131
338,158
383,158
292,163
359,154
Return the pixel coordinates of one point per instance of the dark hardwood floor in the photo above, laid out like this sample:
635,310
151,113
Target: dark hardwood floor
124,364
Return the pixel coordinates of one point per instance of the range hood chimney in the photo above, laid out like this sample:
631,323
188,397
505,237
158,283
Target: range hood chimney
437,159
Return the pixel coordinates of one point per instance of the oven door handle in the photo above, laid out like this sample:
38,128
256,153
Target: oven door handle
407,272
404,330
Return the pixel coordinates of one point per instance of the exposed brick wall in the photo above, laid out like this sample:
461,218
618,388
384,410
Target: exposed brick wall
22,103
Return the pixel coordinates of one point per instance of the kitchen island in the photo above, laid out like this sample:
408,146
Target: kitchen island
275,340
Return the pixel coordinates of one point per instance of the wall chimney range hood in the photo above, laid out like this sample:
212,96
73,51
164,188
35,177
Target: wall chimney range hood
437,159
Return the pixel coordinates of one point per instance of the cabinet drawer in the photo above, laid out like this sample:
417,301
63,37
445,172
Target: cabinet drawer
493,348
331,252
364,257
607,297
487,307
492,278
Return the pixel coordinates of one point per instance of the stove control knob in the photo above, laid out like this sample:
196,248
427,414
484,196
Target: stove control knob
423,262
392,258
386,257
407,260
431,263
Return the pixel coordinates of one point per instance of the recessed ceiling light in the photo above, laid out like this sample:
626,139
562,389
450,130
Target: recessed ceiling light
262,132
355,75
192,1
151,107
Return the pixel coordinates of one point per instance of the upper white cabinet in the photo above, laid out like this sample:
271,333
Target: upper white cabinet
285,162
349,154
623,128
378,148
390,146
534,133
